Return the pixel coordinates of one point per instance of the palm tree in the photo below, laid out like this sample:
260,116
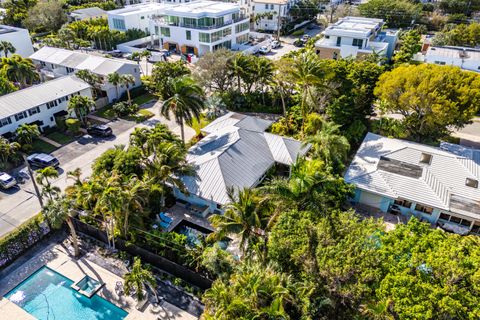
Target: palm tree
7,149
265,72
115,79
146,54
59,211
81,106
135,193
185,101
329,145
138,278
127,80
92,79
237,66
18,69
43,178
26,133
7,47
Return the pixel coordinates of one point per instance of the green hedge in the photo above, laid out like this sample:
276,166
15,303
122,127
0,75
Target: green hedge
21,239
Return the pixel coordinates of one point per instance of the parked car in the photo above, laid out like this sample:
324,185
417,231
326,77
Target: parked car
7,181
264,49
115,53
275,44
42,160
100,130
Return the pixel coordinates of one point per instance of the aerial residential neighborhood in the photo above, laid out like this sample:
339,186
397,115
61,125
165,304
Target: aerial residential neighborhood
242,159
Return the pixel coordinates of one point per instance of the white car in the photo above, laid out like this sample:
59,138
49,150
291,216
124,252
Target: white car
7,181
275,44
264,49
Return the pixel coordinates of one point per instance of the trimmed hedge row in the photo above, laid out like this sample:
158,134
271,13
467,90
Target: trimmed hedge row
21,239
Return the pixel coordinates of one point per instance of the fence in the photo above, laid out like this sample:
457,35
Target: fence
22,239
147,256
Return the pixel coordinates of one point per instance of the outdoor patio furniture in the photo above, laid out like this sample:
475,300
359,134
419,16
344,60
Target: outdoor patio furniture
165,218
164,225
119,288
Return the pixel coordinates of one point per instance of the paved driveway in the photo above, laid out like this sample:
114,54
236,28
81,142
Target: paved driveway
18,205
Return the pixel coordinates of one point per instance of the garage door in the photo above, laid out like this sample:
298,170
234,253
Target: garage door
371,199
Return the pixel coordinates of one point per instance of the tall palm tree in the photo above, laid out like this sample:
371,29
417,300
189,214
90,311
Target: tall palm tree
329,145
135,194
26,133
81,106
18,69
237,66
7,47
127,80
59,211
138,278
7,149
185,101
43,178
115,80
92,79
265,71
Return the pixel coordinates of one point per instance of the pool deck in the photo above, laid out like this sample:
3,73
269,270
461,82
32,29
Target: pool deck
56,258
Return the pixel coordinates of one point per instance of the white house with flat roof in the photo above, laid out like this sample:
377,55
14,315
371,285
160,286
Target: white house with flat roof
439,185
136,16
269,15
465,58
39,104
199,27
19,38
56,62
356,37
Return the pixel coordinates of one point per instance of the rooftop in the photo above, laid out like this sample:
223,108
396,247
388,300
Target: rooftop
415,172
79,61
271,1
37,95
455,52
202,8
238,120
8,29
89,12
354,26
233,157
140,8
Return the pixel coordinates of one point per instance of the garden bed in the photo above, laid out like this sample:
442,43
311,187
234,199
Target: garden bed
60,137
40,146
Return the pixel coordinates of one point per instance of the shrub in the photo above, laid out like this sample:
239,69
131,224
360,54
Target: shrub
73,125
60,121
298,32
134,92
124,109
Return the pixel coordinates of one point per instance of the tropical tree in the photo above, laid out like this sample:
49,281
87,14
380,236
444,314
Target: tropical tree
185,102
127,80
237,65
162,75
92,79
7,150
43,178
81,106
138,278
59,211
18,69
6,86
7,47
135,197
26,133
115,79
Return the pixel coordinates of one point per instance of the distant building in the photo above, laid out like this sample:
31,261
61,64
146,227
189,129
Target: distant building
356,37
19,38
56,62
465,58
267,14
87,14
135,16
39,104
439,185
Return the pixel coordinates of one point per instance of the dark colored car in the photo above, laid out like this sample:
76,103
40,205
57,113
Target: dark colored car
100,130
42,160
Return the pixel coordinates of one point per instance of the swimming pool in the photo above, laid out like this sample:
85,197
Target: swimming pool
47,295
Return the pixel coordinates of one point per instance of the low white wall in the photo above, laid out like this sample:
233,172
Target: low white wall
128,47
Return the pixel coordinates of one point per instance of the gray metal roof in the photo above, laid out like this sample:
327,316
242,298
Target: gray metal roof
40,94
439,184
238,120
88,12
238,158
80,61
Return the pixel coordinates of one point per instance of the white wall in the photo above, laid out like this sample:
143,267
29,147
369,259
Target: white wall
21,40
45,115
274,9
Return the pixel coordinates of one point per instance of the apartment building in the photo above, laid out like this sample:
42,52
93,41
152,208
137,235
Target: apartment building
19,38
39,104
356,37
465,58
56,62
199,27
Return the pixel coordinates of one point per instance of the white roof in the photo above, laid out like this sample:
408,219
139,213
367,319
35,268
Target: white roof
238,120
79,61
40,94
402,175
88,12
238,158
9,29
354,26
455,52
140,8
202,8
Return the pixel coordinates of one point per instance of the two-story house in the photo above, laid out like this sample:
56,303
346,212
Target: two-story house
269,15
356,37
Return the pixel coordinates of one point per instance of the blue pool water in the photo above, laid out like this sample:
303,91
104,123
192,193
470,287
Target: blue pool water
47,295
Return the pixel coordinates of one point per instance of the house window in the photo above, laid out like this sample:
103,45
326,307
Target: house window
21,115
33,111
357,43
476,227
165,31
339,41
403,203
227,32
118,24
242,27
70,70
327,37
142,18
444,216
242,39
188,34
204,37
442,63
156,30
5,121
423,209
271,7
266,6
455,219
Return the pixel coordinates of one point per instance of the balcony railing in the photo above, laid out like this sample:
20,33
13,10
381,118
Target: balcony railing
163,22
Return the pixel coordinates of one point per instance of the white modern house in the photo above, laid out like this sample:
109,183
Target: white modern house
199,27
356,37
136,16
269,15
236,154
40,104
465,58
56,62
19,38
439,185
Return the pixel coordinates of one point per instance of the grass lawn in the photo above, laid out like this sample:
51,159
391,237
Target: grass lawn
140,116
42,146
106,112
60,137
198,125
144,98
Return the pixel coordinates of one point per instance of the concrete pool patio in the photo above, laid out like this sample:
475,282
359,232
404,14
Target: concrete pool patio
57,258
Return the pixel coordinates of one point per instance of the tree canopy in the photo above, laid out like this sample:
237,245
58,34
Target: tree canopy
400,13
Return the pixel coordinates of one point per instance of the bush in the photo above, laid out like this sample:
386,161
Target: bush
60,121
134,92
122,109
298,32
73,125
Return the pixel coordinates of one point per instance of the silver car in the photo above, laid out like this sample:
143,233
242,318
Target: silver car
7,181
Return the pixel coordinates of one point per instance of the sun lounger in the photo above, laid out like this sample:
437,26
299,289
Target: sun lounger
164,225
165,218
